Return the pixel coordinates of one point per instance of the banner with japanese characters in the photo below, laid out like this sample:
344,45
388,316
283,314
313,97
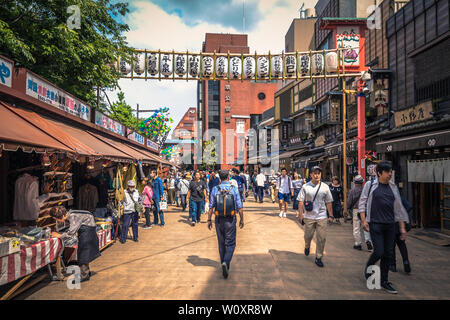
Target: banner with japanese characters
109,124
5,72
43,91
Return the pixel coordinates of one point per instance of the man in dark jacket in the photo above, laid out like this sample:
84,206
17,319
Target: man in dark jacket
213,181
353,200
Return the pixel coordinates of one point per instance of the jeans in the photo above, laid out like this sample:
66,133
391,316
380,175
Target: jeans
195,210
255,192
183,201
401,244
260,194
157,212
295,201
129,218
383,238
147,216
226,237
202,207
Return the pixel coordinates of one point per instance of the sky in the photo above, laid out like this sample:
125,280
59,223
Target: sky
182,24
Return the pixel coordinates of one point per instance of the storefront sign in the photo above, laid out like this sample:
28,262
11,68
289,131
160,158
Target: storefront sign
49,94
352,123
5,72
135,136
415,114
152,144
320,141
109,124
348,37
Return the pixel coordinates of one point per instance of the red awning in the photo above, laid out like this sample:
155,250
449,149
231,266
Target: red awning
16,132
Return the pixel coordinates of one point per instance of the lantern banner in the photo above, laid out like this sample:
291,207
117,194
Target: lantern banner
43,91
233,66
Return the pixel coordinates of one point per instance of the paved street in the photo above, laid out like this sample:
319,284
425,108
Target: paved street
181,262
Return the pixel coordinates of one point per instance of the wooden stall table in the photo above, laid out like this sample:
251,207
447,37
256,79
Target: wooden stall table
24,264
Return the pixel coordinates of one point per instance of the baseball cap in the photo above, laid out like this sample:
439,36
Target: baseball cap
358,179
131,183
316,168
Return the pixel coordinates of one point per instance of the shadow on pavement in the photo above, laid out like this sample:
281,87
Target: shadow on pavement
202,262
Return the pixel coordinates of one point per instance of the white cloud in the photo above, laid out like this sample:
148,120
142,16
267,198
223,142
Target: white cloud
153,28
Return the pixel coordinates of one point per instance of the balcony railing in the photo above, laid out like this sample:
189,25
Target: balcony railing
326,120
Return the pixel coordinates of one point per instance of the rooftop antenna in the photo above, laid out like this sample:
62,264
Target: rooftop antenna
302,12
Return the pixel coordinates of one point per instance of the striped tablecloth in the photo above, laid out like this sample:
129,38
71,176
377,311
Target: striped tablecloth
28,260
104,237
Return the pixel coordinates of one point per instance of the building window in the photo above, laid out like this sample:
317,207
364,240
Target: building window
240,126
261,96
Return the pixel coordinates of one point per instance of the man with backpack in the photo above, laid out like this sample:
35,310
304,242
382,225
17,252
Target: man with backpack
225,202
285,189
242,184
316,198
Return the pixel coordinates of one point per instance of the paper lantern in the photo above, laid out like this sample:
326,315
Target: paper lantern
180,65
152,64
290,63
304,65
249,67
194,66
207,67
221,67
331,59
139,64
166,65
276,66
235,67
263,67
317,64
124,67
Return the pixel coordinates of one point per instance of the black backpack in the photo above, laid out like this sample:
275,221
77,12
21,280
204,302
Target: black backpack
225,204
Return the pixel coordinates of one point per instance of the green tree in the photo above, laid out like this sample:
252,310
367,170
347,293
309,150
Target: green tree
123,112
35,34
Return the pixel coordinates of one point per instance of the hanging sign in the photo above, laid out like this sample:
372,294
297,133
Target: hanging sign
348,37
5,72
152,64
152,144
180,65
139,64
194,66
109,124
53,96
236,67
249,67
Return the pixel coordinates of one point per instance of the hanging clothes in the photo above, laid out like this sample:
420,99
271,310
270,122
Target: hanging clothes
26,206
87,197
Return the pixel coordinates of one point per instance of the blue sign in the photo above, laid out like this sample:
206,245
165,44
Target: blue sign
5,72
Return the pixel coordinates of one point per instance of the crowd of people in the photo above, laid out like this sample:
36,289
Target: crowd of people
377,208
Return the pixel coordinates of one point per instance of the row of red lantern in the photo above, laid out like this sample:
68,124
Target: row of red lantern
181,65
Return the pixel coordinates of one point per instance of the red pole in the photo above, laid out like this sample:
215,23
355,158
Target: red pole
361,129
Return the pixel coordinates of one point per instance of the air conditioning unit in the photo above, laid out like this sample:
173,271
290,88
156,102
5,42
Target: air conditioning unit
227,119
227,109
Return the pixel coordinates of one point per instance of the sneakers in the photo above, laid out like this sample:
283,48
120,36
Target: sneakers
406,266
319,262
193,223
281,214
387,286
357,247
369,246
224,270
306,251
136,240
284,214
146,227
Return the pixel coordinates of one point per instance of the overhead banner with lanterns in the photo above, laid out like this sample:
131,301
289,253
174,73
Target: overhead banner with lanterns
165,65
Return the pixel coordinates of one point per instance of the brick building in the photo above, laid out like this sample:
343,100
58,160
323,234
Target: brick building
186,129
233,105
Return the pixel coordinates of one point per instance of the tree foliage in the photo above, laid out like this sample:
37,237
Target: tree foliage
36,35
123,112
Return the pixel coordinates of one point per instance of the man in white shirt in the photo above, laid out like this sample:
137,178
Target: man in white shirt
316,198
183,185
260,179
284,188
171,190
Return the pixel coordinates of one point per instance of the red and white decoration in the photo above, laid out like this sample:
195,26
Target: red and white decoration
104,237
28,260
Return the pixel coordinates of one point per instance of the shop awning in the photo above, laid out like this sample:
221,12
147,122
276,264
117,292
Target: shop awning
54,131
156,158
102,149
288,154
416,142
123,147
16,132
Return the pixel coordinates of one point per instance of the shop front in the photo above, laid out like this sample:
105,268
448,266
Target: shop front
421,163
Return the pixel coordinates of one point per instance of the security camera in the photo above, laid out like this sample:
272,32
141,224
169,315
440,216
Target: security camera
366,76
366,90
